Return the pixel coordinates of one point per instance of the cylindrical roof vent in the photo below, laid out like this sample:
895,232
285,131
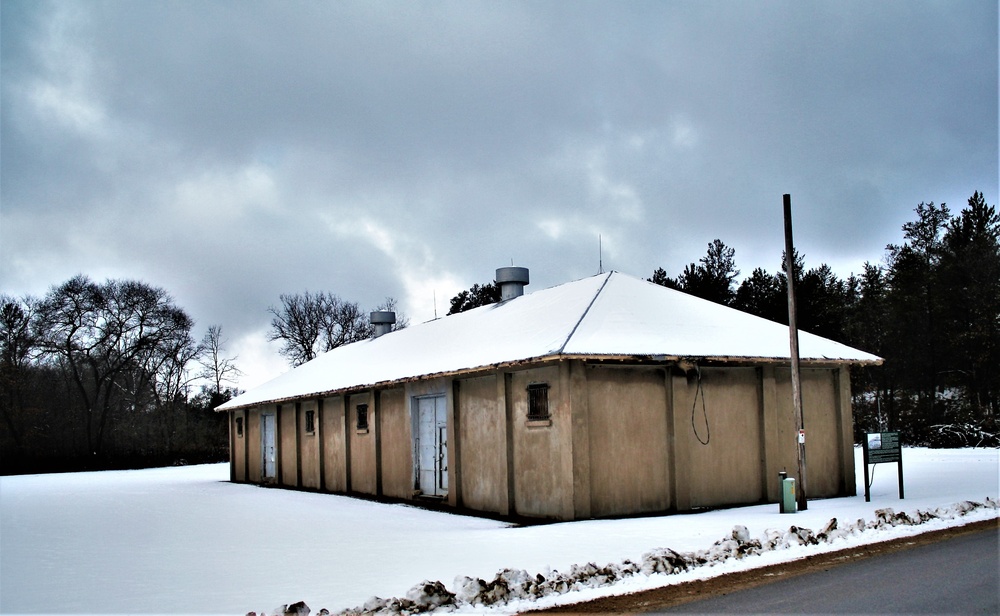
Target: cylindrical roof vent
383,320
512,281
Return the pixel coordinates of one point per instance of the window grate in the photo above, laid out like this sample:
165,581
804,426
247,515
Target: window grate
310,421
362,410
538,401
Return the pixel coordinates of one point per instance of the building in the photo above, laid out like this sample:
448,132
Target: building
606,396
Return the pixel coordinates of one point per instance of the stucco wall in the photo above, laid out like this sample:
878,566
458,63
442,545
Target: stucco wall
309,445
628,441
484,444
334,466
619,439
821,416
396,444
719,436
543,463
254,458
287,443
238,446
362,448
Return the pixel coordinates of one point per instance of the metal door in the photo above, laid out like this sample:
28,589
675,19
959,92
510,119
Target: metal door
268,446
432,446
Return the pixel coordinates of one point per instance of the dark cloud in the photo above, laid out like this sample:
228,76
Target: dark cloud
234,151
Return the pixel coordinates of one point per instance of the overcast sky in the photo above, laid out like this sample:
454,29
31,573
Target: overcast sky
230,152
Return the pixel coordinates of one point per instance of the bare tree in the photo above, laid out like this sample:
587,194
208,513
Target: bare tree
114,341
308,324
219,370
298,323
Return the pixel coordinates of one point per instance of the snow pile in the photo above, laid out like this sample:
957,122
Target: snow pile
515,587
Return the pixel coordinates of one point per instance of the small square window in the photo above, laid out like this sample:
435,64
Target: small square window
538,401
310,421
362,417
239,426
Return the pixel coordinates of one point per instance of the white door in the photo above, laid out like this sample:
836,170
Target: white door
431,446
268,446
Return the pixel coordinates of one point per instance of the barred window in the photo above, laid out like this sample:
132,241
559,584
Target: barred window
538,401
310,421
362,410
239,426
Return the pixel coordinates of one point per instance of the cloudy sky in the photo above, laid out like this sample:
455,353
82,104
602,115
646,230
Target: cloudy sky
233,151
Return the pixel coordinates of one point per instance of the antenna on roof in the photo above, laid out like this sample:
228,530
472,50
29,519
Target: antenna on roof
600,254
435,303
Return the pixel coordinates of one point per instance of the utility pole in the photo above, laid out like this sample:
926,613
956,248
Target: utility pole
793,341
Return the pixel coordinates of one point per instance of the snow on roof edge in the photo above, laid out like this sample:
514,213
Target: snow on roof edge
379,384
668,360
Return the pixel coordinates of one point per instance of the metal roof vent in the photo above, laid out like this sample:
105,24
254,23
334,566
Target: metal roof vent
512,281
383,320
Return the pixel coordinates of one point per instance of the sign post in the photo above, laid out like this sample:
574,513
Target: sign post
882,447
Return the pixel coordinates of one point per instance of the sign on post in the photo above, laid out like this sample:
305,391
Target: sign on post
882,447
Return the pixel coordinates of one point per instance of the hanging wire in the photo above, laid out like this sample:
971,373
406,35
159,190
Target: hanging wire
694,405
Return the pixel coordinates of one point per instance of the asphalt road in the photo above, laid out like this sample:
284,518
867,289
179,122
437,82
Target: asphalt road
962,578
960,575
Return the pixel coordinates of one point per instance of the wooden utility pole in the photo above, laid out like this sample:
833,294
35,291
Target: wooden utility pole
793,340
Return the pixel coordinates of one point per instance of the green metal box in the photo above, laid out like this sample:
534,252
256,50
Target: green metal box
788,503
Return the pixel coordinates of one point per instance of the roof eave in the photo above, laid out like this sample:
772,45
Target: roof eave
645,359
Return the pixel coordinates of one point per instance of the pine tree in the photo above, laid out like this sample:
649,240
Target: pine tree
474,297
915,309
969,281
712,278
762,294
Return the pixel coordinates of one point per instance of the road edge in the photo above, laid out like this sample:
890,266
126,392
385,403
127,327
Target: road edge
679,594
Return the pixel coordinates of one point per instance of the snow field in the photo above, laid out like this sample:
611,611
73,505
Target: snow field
184,540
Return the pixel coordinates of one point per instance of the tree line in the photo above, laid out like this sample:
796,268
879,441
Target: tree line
106,375
931,309
98,375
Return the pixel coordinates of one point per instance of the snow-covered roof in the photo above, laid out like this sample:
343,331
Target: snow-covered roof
610,315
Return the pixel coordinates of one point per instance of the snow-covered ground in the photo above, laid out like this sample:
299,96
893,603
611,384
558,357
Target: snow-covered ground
184,540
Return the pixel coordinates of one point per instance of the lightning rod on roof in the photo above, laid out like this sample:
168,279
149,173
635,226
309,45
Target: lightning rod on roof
600,254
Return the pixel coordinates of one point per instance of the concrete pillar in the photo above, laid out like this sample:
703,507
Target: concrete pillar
454,444
504,404
671,454
348,428
845,425
573,381
377,427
